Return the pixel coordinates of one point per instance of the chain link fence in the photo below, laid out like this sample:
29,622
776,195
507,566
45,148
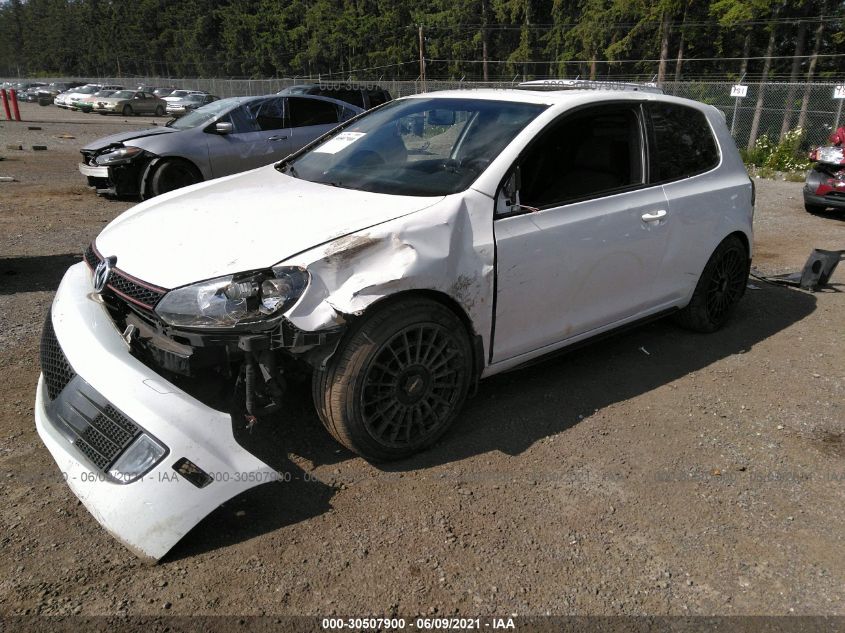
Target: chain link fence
768,108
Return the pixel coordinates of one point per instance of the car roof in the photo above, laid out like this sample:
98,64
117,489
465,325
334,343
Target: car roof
564,98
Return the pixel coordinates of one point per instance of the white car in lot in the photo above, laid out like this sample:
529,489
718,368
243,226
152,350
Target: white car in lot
70,100
422,246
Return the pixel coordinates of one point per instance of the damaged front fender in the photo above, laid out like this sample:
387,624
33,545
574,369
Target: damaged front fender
447,248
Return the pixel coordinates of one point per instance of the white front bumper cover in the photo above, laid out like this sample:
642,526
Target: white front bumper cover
151,514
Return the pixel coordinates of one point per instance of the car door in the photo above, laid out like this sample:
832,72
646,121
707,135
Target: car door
582,245
259,137
311,118
145,103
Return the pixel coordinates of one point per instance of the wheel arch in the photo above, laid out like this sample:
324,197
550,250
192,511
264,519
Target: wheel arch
742,238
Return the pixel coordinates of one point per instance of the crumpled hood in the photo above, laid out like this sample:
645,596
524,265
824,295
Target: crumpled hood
239,223
122,137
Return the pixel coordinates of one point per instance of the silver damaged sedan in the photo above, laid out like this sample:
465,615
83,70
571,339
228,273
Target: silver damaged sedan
222,138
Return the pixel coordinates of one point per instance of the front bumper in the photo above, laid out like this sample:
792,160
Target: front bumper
834,200
152,514
94,171
121,180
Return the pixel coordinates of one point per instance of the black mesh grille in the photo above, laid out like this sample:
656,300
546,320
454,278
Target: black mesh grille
100,461
91,257
146,296
118,282
55,367
106,437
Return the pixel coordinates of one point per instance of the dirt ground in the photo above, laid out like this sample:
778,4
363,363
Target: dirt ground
658,472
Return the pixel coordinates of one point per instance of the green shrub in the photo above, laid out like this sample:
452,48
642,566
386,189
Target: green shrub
795,176
787,155
766,172
759,154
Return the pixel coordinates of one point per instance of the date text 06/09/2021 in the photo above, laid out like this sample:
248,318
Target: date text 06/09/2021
424,623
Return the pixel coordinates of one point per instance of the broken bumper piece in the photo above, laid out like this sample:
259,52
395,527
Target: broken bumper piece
148,460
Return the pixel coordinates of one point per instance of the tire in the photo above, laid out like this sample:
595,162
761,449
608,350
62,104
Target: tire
173,174
127,110
160,111
814,208
397,381
721,285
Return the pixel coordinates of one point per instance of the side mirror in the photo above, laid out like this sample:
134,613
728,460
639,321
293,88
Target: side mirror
508,199
224,127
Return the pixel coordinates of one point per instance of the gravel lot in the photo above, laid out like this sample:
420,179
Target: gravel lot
658,472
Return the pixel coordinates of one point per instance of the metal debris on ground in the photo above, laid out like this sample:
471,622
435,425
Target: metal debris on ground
6,179
33,127
14,146
816,272
39,148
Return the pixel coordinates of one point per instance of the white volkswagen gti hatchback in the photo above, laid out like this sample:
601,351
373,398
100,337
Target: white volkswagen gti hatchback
424,245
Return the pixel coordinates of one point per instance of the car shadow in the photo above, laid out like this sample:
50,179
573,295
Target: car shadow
268,507
509,413
512,411
34,274
830,214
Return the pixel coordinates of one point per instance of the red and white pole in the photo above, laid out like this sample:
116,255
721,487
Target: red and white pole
5,103
14,96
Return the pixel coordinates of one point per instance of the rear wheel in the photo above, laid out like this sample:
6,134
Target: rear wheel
397,381
127,110
173,174
719,288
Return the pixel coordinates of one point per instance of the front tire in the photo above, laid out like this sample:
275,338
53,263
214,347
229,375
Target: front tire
127,110
160,111
719,288
397,381
173,174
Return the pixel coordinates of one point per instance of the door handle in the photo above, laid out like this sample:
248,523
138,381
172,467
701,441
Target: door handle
277,138
654,216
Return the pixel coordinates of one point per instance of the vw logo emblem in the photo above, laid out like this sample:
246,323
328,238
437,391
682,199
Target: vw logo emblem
102,273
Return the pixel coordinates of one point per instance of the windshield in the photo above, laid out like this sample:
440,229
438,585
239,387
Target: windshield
104,93
194,98
205,114
123,94
416,147
88,90
178,93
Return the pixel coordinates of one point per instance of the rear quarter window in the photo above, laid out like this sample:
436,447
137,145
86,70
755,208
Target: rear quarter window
683,143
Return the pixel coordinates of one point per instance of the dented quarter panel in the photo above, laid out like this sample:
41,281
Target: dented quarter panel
447,248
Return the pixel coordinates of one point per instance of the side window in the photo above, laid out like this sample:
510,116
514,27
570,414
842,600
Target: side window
584,155
242,119
683,142
270,115
311,112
